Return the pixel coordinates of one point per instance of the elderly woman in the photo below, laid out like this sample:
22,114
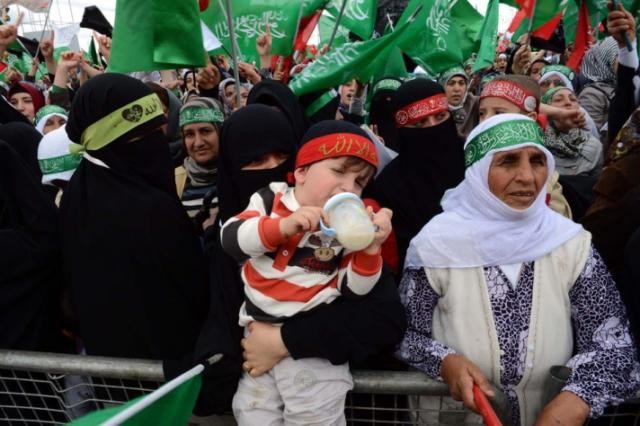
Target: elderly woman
50,117
499,287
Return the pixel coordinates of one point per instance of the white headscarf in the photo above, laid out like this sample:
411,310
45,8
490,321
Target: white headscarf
58,157
476,228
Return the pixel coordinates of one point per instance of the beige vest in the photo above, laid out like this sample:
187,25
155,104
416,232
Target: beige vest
463,319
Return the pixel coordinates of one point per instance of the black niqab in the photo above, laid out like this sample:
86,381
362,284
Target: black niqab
135,266
28,258
277,94
247,135
24,139
430,161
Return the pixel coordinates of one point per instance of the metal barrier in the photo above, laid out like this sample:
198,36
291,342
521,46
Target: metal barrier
45,388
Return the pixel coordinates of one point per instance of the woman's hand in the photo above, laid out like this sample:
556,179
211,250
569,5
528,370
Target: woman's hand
566,409
460,374
263,348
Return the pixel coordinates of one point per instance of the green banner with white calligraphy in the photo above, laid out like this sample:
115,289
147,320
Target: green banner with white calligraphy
361,60
359,15
432,39
250,18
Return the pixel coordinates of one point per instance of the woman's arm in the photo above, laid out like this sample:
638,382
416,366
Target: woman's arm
605,369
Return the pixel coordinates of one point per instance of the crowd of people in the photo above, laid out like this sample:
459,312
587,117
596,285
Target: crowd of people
174,215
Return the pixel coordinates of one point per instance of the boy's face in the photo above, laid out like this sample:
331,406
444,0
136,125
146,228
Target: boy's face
320,181
491,106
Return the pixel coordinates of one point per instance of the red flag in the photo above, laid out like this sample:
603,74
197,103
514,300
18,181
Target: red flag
307,25
546,31
517,20
582,38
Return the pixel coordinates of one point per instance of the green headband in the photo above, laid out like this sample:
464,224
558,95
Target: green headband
386,84
502,135
50,109
566,71
64,163
119,122
199,114
546,98
446,76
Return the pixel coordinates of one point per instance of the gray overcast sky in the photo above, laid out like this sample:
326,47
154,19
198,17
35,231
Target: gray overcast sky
69,11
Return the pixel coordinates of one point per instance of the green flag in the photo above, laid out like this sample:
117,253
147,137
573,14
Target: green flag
310,6
325,28
431,39
360,59
169,405
359,15
597,13
151,35
488,35
249,20
544,11
469,23
93,53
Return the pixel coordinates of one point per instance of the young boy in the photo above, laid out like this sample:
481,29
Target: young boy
291,268
520,94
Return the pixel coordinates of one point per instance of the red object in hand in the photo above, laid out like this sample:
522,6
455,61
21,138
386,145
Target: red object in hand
484,407
204,4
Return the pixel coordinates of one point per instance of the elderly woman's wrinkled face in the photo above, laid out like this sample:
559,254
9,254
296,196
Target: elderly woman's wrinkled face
52,123
516,177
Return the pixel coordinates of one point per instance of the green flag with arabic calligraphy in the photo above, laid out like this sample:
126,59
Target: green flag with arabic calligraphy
249,20
359,15
360,59
325,28
432,39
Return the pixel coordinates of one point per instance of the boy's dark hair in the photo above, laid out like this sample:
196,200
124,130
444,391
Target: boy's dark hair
523,81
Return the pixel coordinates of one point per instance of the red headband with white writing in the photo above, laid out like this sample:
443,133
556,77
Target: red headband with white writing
418,110
512,92
337,145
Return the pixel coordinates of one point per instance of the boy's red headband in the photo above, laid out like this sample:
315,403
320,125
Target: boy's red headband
418,110
511,92
337,145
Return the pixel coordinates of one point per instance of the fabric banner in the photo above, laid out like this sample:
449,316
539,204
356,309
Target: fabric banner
361,60
325,28
359,15
544,13
432,40
250,18
311,6
488,35
469,23
65,38
597,12
152,35
171,404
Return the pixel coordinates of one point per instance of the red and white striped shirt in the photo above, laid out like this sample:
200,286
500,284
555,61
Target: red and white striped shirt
282,276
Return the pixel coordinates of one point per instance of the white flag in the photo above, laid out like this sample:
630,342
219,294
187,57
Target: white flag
209,40
66,36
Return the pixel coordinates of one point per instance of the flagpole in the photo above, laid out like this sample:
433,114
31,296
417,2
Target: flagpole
533,14
44,28
234,51
335,29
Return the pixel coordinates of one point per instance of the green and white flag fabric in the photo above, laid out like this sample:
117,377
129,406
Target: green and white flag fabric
432,40
169,405
325,28
488,35
361,60
152,35
469,24
250,18
359,15
311,6
597,12
65,38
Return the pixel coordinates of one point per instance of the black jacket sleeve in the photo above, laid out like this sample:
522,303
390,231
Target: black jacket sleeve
622,104
348,330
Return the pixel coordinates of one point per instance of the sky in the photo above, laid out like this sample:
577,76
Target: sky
70,11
